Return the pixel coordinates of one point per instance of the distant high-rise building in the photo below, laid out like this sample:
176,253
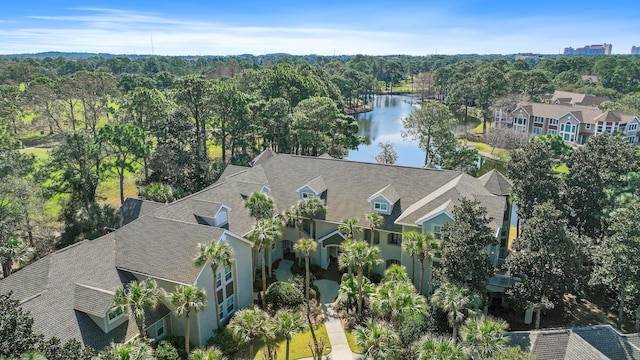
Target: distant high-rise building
635,50
598,49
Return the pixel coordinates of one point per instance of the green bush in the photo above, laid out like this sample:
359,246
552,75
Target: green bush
177,342
166,351
284,295
225,341
413,326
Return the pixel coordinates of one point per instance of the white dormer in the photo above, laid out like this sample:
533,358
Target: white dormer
265,189
314,187
222,216
383,201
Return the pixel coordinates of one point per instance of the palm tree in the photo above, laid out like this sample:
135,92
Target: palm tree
395,300
137,298
375,221
378,340
424,247
349,227
484,336
32,355
454,301
211,353
248,325
306,247
263,235
348,291
358,255
396,274
438,348
133,350
287,324
260,206
311,208
185,299
218,255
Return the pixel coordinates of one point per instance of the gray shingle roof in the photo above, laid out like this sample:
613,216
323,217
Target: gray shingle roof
132,209
578,343
91,300
162,248
50,289
496,183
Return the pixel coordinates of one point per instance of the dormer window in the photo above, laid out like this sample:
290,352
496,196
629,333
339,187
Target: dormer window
314,188
114,315
380,207
383,200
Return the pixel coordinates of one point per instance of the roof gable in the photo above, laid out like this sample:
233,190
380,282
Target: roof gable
496,183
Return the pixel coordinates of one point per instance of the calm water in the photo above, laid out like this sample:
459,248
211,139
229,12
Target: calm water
384,123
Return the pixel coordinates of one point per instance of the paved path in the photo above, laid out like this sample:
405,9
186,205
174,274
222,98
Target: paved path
339,346
283,272
328,292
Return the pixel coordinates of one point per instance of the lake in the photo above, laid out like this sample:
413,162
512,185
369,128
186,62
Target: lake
384,123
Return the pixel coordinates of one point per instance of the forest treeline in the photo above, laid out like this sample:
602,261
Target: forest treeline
177,121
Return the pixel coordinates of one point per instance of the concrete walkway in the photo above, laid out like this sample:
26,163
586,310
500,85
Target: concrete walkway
339,346
328,292
283,272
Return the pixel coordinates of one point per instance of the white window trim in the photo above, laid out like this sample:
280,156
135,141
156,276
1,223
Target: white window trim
380,205
307,194
632,127
111,321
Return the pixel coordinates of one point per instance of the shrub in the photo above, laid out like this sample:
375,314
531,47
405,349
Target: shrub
225,341
177,342
413,326
284,295
298,282
166,351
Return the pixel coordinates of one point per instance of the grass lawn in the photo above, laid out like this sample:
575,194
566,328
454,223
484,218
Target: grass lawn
37,139
41,153
351,339
215,151
109,190
299,347
486,148
561,168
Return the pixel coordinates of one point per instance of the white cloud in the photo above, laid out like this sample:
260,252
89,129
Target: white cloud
125,32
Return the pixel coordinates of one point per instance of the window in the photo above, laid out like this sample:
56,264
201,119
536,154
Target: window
631,139
392,262
632,127
160,329
536,130
227,274
568,131
306,194
394,239
380,207
587,127
218,280
114,315
229,303
539,120
221,310
552,132
553,122
599,129
437,229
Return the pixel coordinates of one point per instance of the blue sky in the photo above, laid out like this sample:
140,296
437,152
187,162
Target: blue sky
231,27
